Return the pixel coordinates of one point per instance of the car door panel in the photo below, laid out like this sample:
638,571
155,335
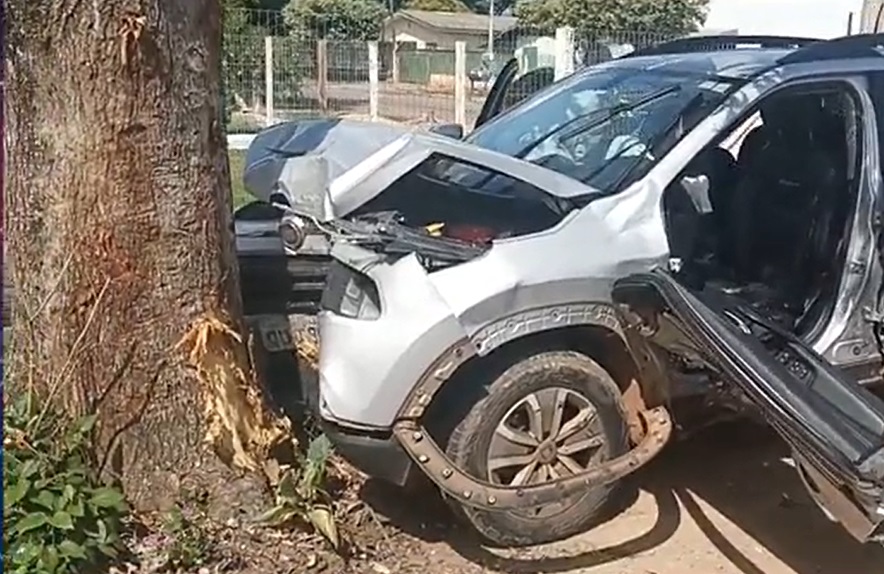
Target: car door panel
510,88
496,95
834,426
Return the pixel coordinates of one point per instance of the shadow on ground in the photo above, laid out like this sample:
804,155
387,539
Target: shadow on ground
736,469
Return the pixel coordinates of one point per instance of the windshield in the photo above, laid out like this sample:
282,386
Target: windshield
605,126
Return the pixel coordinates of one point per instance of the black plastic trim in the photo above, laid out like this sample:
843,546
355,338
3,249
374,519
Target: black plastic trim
378,456
731,42
846,47
276,284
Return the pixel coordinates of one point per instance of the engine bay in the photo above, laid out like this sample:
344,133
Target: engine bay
461,201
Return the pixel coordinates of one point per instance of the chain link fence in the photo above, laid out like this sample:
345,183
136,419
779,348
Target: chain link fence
275,72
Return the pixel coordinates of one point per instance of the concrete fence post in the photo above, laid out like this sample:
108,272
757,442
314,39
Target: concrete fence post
322,74
373,81
564,46
460,83
268,80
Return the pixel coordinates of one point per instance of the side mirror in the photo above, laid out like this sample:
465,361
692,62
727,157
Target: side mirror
453,131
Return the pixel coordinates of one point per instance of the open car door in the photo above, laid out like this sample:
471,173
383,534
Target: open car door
510,88
834,426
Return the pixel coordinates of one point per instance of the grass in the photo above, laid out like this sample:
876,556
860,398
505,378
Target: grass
237,159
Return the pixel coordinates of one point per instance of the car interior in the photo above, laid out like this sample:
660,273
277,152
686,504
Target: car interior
767,220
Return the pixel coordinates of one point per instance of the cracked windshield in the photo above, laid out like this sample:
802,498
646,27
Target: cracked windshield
607,126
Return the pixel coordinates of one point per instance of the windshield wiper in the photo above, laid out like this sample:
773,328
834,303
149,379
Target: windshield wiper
580,124
610,161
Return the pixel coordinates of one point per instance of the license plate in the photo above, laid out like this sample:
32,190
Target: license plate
276,333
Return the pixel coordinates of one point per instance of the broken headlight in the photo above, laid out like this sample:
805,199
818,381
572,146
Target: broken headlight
293,230
350,294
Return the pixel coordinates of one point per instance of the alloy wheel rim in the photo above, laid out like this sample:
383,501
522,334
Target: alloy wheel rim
549,434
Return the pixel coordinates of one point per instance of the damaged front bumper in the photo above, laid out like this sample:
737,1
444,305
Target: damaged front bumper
392,323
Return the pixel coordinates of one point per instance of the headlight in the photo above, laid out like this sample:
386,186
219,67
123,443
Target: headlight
360,299
350,294
292,231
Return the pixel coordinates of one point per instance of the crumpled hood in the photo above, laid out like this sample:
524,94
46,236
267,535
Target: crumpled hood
301,158
327,169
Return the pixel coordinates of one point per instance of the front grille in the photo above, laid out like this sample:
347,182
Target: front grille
275,284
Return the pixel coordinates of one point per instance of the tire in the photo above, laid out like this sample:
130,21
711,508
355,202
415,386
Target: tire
469,442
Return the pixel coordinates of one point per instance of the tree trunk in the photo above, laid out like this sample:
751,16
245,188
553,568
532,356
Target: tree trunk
119,229
871,17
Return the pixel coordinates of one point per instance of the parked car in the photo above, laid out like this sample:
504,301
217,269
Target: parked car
515,315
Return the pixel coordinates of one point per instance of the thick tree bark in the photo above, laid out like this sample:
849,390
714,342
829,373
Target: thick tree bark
118,222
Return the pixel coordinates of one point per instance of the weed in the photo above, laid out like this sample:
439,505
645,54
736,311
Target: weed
300,496
57,516
190,545
237,161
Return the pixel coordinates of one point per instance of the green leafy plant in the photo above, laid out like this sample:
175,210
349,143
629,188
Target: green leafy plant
300,495
58,517
347,20
596,17
191,546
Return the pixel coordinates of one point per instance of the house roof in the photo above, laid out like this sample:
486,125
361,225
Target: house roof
466,22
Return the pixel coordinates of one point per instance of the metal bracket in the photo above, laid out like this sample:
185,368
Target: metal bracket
471,491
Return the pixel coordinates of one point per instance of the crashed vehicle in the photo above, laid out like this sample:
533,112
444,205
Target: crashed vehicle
516,315
283,267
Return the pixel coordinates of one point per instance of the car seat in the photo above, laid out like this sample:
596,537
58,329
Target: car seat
694,204
786,202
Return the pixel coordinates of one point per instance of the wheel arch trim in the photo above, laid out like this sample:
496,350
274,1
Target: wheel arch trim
650,424
538,320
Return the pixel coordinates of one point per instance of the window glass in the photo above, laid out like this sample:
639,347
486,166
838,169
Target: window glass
604,124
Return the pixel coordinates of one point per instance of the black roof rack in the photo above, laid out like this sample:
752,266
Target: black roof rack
858,46
713,43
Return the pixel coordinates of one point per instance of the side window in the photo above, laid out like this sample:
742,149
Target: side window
510,89
458,195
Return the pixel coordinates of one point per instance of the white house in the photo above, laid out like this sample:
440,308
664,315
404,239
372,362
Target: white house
424,29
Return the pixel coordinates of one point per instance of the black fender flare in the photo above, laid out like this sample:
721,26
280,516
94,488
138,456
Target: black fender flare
416,441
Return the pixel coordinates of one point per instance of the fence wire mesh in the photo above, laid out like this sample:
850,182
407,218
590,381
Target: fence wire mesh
317,68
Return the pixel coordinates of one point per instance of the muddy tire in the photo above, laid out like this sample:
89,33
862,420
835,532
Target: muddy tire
482,442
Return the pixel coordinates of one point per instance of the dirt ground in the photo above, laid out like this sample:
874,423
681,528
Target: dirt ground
721,502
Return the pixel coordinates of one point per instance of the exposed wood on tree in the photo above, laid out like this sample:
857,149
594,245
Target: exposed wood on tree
119,227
